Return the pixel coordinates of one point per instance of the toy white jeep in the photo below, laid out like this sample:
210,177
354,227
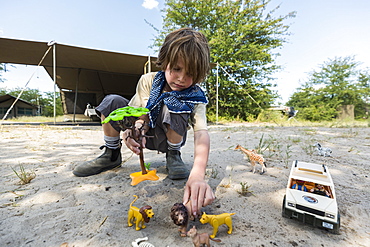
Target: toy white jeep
310,196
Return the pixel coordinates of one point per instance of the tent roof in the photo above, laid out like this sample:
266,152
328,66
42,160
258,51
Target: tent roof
94,70
7,97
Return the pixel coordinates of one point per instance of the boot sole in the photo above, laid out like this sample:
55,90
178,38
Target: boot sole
91,174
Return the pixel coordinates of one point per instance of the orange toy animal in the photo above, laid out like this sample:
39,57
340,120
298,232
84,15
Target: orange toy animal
253,157
200,239
216,220
139,216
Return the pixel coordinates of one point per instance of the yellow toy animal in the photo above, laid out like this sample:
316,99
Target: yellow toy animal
139,216
216,220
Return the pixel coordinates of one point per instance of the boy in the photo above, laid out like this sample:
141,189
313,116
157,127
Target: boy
173,99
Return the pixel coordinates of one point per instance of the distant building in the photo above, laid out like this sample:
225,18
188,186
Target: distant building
21,108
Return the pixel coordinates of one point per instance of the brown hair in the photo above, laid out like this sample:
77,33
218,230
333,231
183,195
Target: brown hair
192,47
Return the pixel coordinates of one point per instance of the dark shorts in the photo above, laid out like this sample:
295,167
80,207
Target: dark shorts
110,103
177,121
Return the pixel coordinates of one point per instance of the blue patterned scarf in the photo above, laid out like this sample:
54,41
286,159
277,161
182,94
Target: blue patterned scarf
176,101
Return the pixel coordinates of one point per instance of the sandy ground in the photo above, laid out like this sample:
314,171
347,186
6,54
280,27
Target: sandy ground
59,209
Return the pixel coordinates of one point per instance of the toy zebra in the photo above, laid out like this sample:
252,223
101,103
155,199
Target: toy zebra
326,152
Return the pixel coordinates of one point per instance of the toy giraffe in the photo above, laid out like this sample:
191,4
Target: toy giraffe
254,157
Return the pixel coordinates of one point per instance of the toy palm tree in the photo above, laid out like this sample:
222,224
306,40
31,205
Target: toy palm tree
126,117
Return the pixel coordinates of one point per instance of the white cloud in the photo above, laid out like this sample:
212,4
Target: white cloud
150,4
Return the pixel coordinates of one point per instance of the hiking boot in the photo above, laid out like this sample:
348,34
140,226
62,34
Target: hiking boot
111,158
175,166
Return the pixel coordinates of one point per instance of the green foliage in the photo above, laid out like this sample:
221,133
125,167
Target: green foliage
270,116
287,155
245,189
268,147
147,165
34,96
47,104
318,113
336,83
262,145
128,111
242,38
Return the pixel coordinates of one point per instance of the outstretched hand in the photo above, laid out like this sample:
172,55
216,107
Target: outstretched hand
199,193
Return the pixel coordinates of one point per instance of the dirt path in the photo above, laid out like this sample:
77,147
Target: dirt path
57,207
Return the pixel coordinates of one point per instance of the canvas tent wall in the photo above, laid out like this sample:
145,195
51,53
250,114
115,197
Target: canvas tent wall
81,71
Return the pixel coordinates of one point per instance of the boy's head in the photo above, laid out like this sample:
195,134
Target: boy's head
189,45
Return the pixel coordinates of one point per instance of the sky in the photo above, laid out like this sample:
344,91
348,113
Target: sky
321,30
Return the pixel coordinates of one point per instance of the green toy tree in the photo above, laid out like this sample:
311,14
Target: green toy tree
126,118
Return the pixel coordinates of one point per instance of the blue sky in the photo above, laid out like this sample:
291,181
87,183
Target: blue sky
322,30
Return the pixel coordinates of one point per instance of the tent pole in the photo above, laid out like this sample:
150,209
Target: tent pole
76,95
149,65
55,81
217,94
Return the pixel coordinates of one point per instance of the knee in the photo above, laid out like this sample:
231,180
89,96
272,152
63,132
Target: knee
179,132
116,99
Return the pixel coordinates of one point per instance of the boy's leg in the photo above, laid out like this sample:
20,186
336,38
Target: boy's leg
169,136
175,166
111,158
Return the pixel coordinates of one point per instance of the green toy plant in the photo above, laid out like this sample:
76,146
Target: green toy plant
147,165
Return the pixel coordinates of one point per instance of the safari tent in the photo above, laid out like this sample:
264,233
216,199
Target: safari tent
20,108
84,76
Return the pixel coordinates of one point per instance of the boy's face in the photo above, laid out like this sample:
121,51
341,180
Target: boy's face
176,78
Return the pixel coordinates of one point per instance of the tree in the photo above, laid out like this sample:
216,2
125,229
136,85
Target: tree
242,37
30,95
338,82
3,91
47,104
363,108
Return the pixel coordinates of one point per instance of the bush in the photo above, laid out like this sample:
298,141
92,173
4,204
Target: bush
270,116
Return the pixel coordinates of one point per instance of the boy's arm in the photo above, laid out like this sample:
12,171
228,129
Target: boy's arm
197,189
142,90
139,100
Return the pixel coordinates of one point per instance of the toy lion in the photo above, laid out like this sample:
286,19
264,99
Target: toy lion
180,216
139,216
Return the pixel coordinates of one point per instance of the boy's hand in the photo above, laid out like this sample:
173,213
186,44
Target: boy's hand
131,143
199,193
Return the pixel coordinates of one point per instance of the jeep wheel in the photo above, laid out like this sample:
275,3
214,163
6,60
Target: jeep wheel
337,226
283,208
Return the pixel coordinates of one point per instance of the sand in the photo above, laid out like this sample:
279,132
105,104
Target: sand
58,209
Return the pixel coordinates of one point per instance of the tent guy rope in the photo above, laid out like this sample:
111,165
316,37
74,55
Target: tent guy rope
21,92
232,78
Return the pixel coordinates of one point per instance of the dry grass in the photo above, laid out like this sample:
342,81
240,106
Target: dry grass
39,119
245,189
283,122
24,176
